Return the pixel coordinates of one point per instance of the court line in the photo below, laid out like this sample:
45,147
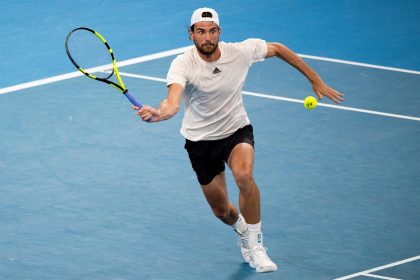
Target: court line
78,73
336,106
363,273
267,96
380,277
360,64
179,51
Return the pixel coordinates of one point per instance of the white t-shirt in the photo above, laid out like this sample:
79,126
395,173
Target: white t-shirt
213,90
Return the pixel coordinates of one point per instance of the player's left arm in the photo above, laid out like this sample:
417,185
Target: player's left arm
320,88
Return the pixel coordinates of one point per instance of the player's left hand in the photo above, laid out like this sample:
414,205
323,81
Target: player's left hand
321,90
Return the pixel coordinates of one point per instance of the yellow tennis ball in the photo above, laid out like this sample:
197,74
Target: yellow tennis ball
310,102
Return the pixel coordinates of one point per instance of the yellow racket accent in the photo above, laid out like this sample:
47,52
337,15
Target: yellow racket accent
114,62
86,73
100,37
117,74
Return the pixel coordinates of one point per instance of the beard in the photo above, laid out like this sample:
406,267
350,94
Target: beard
207,48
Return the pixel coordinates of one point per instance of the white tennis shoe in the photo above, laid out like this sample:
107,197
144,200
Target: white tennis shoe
243,243
260,261
242,230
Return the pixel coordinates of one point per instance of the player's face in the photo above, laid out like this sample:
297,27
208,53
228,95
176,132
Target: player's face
205,37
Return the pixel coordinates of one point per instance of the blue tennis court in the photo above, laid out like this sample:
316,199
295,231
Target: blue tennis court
88,191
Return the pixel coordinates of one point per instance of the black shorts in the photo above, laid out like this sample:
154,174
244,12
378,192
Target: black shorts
208,157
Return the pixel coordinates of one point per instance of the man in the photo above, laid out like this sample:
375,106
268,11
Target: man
210,77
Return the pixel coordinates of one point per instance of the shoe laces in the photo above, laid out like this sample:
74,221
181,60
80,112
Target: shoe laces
243,239
243,243
261,251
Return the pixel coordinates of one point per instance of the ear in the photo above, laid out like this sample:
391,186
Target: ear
191,35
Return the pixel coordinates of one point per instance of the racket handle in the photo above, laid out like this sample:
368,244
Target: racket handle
132,99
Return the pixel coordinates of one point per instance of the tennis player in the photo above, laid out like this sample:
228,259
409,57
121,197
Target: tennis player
216,127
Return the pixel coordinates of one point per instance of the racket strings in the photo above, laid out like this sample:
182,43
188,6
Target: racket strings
90,53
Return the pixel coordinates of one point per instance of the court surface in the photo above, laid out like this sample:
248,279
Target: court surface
90,192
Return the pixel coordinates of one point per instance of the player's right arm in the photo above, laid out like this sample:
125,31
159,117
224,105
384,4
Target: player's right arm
167,107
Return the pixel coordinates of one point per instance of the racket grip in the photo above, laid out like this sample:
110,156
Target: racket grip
132,99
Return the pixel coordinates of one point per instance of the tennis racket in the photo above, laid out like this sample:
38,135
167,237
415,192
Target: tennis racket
91,54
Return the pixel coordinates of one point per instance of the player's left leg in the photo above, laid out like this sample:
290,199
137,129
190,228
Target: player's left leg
216,195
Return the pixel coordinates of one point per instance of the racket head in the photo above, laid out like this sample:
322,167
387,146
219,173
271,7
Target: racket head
90,53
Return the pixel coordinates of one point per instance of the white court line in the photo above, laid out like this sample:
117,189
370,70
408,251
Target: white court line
335,106
40,82
181,50
362,273
360,64
381,277
78,73
289,99
137,76
178,51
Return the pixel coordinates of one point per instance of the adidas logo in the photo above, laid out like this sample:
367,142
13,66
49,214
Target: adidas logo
216,70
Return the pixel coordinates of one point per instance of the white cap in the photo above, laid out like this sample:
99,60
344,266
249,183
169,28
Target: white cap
204,14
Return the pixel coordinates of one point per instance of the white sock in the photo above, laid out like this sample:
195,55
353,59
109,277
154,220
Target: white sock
240,225
255,235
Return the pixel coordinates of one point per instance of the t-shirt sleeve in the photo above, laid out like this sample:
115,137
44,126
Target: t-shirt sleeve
253,49
177,72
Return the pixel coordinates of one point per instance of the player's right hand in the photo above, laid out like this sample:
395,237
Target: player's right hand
147,113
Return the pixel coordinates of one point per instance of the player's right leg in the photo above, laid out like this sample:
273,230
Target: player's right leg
241,163
209,166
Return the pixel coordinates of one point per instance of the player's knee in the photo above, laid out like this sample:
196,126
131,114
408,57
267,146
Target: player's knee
243,177
221,213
